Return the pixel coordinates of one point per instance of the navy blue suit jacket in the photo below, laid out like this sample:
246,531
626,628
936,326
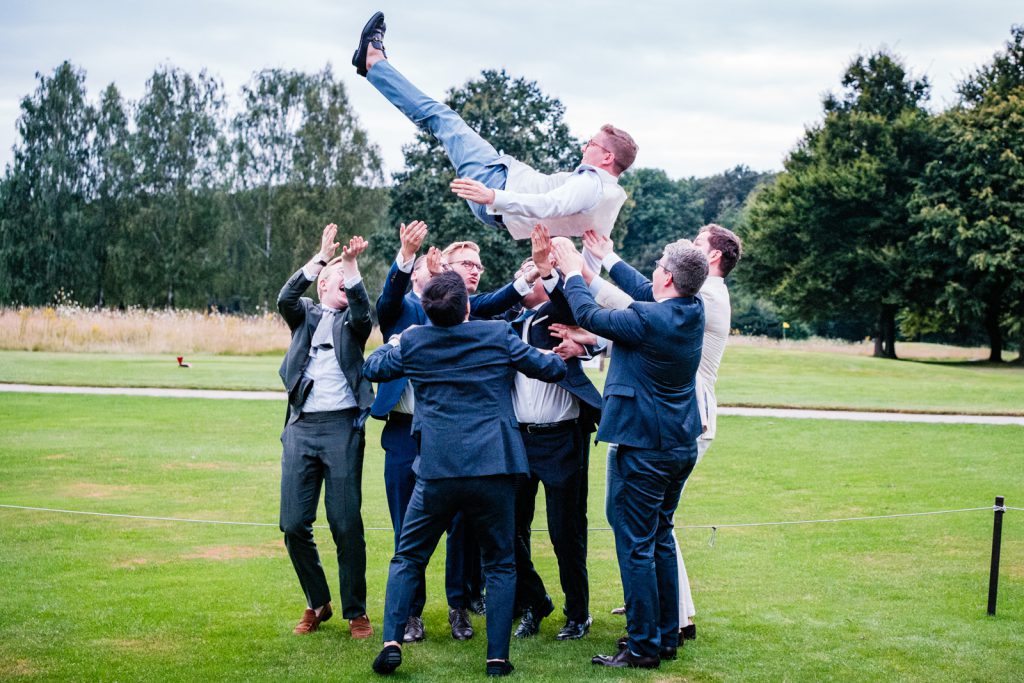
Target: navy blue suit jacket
397,310
463,377
649,396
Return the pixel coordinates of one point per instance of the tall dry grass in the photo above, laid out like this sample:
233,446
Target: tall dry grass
72,328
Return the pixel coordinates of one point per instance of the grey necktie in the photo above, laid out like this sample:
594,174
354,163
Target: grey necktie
323,337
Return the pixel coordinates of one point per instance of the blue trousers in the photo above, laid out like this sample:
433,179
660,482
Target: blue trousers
643,493
471,155
462,558
487,504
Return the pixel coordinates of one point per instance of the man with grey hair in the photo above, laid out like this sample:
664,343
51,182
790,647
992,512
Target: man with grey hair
723,249
650,409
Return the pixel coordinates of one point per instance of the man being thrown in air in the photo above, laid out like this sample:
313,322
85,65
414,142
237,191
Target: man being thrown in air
501,191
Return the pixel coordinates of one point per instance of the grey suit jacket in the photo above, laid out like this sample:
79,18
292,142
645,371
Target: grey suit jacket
351,329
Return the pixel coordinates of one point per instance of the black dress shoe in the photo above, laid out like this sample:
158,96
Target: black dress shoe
626,659
462,627
389,659
688,632
373,34
414,632
500,668
529,625
574,630
664,653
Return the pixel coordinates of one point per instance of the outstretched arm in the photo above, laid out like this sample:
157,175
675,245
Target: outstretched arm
289,300
389,304
358,300
384,364
581,191
547,367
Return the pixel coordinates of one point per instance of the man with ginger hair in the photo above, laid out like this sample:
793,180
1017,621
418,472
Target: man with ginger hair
502,191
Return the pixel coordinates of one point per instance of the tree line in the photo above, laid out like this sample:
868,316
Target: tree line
888,220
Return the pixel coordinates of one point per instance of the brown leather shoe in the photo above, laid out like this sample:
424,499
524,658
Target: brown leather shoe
311,622
360,627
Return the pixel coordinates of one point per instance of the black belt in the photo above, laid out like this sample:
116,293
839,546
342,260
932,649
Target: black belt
546,427
329,415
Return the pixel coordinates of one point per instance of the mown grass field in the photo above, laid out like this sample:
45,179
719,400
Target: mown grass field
90,598
750,376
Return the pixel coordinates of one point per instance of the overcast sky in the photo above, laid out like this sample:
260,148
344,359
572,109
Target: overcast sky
702,88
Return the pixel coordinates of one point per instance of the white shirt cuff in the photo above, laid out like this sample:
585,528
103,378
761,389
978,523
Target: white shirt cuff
596,284
350,283
522,286
610,260
404,267
573,272
307,274
550,282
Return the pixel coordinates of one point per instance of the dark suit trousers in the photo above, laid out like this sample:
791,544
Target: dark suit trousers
644,487
565,491
325,449
399,480
487,505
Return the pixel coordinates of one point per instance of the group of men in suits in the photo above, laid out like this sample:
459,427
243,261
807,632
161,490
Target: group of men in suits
483,402
484,399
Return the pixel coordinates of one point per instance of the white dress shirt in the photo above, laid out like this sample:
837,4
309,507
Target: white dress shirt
331,390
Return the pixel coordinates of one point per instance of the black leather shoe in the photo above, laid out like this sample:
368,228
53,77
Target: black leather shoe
373,34
501,667
462,627
664,653
688,632
529,625
626,659
414,632
389,659
574,630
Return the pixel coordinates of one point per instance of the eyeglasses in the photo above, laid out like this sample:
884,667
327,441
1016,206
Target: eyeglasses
659,264
591,142
470,266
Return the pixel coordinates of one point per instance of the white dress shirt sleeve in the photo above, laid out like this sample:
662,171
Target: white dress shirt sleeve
580,192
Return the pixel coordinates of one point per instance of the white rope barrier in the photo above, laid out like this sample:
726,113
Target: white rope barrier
714,527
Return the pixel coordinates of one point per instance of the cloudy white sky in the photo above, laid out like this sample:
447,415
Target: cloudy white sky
701,86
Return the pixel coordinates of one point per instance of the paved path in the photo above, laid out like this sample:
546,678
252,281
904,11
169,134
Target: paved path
788,413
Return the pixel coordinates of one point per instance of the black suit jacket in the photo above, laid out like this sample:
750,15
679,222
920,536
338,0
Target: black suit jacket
576,382
351,329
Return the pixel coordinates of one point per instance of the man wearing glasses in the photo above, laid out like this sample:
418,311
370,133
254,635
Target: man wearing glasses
502,191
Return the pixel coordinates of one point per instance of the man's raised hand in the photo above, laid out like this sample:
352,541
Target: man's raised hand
540,241
412,237
327,244
356,246
472,190
568,258
435,264
598,245
573,333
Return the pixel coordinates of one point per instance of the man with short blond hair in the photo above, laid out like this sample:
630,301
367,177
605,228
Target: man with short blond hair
323,439
502,191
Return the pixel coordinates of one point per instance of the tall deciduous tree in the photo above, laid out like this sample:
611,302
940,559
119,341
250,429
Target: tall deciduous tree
164,257
518,119
970,205
827,240
301,160
662,210
43,222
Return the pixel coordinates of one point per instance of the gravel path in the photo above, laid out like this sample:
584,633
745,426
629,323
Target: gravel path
787,413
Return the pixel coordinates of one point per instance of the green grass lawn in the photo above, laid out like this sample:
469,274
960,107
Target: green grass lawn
90,598
749,376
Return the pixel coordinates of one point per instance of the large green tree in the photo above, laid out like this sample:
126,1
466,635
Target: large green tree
970,206
518,119
661,210
45,239
167,251
301,160
827,240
